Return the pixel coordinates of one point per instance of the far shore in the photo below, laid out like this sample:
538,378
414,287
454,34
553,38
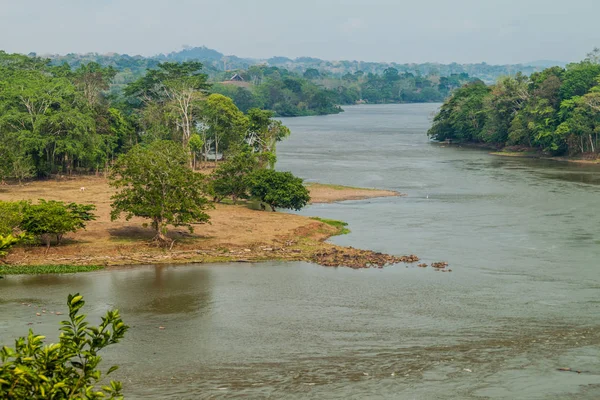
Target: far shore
524,154
520,153
237,233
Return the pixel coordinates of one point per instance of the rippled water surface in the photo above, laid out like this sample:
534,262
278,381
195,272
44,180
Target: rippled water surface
522,237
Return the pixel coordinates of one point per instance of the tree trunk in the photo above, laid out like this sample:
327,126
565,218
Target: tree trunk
216,150
161,239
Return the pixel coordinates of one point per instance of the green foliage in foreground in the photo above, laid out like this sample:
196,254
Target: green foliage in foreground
556,111
46,269
7,242
67,369
278,189
340,225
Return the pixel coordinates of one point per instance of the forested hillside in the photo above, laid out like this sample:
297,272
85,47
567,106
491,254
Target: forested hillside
291,94
306,85
555,111
61,120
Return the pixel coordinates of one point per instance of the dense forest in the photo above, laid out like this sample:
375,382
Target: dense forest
299,91
291,94
306,85
55,119
556,111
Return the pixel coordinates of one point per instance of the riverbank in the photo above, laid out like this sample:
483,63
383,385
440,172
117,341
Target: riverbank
236,233
541,156
521,152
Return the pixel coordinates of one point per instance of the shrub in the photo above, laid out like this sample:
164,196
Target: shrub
278,189
6,242
11,215
67,369
55,218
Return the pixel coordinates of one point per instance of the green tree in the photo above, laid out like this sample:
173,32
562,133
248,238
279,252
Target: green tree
225,125
278,189
92,80
52,218
312,73
41,117
178,88
154,182
68,369
461,117
263,134
230,177
196,146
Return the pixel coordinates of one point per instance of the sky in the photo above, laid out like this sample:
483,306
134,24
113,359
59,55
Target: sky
403,31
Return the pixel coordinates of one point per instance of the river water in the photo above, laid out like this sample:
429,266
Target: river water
522,238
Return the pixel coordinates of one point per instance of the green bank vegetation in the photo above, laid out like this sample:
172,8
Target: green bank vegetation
341,226
556,111
46,269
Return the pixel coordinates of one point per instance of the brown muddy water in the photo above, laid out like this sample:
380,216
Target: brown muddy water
522,237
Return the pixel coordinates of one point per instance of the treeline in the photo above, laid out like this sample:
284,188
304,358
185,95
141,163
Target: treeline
555,111
314,93
55,119
391,86
215,62
284,92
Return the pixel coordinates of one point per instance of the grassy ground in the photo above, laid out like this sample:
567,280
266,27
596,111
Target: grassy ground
46,269
339,225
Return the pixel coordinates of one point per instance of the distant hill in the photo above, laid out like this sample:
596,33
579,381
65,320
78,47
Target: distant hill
486,72
546,63
217,62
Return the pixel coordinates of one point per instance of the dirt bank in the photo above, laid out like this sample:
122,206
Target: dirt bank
236,232
323,193
586,161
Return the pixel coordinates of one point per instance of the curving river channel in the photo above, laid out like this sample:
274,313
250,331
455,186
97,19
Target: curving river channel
522,237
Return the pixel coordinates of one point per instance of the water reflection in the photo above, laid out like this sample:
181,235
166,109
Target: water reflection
163,289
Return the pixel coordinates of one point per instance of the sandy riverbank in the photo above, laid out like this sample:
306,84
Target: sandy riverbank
546,157
236,232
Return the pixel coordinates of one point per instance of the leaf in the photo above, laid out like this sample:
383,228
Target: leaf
112,369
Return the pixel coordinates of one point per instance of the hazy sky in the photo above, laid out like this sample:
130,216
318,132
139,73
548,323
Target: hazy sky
507,31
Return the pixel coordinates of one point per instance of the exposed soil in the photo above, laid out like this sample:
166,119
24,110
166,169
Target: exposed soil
236,232
322,193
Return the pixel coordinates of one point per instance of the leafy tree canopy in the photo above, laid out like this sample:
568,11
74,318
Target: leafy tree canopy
155,182
278,189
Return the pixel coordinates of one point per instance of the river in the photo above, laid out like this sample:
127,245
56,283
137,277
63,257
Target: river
522,237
